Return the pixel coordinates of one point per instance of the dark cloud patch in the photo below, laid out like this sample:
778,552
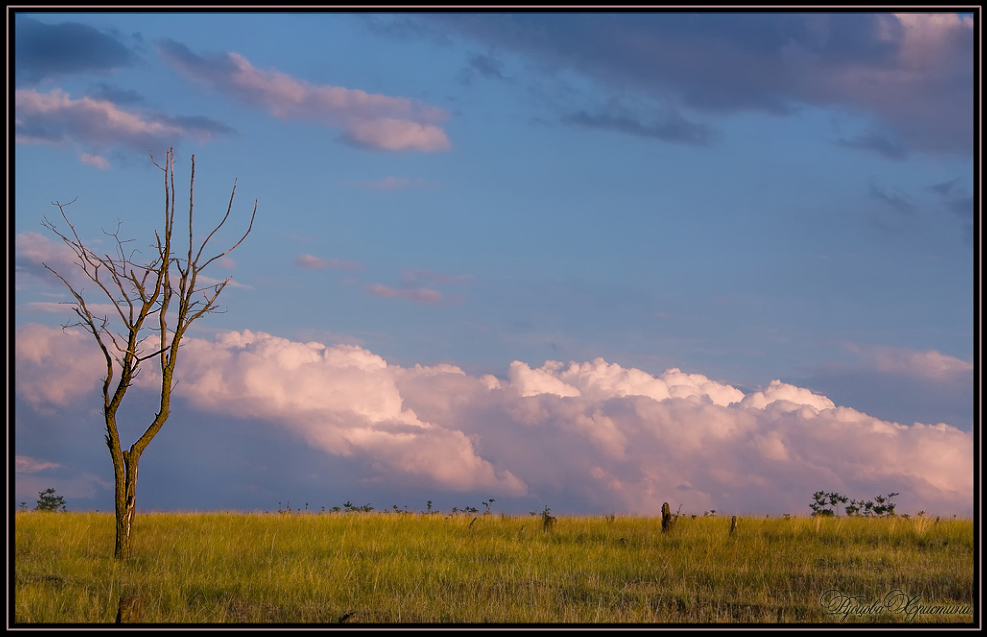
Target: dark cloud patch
484,66
183,57
42,129
488,66
709,61
401,27
957,200
881,144
897,201
196,124
668,127
51,50
117,95
961,206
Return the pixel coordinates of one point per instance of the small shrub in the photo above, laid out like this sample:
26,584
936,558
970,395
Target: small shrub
548,520
48,501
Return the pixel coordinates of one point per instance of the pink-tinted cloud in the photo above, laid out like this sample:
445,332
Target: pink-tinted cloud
54,366
56,118
95,160
418,295
372,120
930,364
611,438
922,96
27,464
316,263
412,287
33,250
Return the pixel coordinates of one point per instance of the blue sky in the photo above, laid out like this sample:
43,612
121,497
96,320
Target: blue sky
585,260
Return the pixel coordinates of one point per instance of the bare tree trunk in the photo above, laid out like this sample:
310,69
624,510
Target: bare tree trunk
126,499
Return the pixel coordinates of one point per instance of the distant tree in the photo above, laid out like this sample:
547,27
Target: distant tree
158,299
48,501
824,504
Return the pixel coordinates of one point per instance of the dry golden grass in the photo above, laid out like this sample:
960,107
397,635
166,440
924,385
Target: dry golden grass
220,568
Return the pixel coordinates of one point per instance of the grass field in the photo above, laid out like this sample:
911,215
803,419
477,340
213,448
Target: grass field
409,568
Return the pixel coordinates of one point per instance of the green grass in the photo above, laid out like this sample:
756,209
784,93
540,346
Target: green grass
389,568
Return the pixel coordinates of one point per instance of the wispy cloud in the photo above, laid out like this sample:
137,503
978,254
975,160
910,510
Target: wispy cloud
27,464
928,365
416,276
56,118
313,262
958,199
33,250
95,160
416,286
897,201
881,143
396,183
66,308
418,295
371,120
117,95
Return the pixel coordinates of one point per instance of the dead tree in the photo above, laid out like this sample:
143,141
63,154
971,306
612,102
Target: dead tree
153,305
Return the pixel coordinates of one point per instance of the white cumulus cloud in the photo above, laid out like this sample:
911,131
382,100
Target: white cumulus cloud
595,433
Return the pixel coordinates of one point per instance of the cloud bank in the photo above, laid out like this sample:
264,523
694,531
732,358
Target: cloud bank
907,78
610,438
